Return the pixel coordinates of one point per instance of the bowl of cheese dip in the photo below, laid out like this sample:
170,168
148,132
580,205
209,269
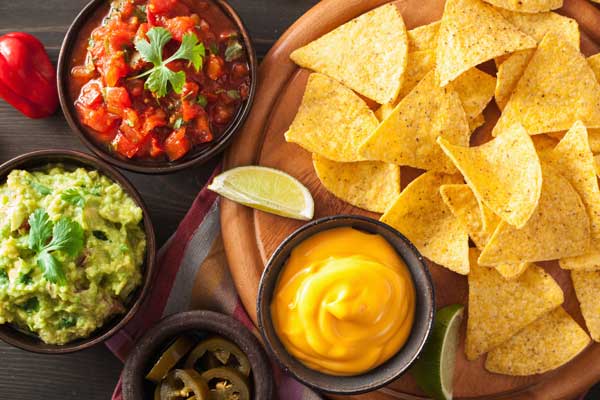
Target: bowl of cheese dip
345,304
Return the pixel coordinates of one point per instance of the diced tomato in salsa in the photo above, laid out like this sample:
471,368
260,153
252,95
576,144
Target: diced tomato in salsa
109,79
177,144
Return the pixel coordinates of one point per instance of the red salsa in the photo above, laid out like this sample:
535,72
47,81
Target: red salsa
155,78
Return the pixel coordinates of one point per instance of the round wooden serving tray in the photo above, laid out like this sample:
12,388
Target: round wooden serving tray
251,236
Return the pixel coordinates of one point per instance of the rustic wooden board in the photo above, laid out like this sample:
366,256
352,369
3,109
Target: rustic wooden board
251,236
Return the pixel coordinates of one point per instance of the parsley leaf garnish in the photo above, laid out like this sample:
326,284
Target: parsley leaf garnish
66,235
202,100
74,197
160,76
3,278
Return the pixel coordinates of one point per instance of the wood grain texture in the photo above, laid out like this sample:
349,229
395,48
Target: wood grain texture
92,374
250,237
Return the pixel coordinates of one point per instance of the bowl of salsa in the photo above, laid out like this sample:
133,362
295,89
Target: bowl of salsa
155,86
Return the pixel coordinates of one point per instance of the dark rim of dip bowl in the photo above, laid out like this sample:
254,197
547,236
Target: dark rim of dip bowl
145,352
70,158
196,156
395,366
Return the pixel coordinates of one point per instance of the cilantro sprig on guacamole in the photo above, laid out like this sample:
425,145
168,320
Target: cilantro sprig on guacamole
71,251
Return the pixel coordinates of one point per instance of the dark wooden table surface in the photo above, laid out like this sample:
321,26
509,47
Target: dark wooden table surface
92,374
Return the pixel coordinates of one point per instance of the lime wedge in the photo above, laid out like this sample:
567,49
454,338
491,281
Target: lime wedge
434,369
265,189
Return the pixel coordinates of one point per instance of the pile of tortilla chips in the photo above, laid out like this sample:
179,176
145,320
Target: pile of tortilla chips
527,193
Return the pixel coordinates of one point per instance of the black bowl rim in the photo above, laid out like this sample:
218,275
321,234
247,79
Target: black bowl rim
214,148
196,320
77,158
378,376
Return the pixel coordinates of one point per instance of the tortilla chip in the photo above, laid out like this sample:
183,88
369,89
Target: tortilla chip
499,308
508,75
587,288
370,185
558,228
546,344
419,213
512,271
574,159
332,120
423,37
464,205
527,6
538,25
352,54
478,220
475,89
557,88
419,64
511,68
476,122
504,174
469,36
408,135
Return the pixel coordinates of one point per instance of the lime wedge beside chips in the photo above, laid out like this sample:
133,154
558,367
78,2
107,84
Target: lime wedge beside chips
434,369
265,189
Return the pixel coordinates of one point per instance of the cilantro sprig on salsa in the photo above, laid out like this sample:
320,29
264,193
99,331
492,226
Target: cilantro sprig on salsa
160,75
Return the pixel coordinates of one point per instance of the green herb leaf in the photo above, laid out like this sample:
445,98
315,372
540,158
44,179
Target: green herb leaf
151,51
178,123
4,281
52,270
190,50
124,248
233,51
234,94
214,49
41,189
96,190
31,305
74,197
67,236
40,230
67,322
160,75
202,100
25,279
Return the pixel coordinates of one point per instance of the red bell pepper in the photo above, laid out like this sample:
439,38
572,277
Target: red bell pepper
27,77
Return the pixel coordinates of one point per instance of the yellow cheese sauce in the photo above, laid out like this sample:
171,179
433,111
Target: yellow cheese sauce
344,302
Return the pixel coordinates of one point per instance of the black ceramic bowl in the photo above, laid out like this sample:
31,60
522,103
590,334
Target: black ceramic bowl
395,366
74,159
198,155
148,348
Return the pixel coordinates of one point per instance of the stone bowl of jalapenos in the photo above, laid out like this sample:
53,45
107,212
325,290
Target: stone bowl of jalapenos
201,355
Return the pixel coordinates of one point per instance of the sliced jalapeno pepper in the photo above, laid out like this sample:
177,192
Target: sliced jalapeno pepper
226,384
220,349
183,384
170,358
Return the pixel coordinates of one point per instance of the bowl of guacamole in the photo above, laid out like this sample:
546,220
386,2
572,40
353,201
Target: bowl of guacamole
77,251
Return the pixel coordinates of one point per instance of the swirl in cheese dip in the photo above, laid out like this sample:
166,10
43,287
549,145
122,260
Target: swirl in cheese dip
344,303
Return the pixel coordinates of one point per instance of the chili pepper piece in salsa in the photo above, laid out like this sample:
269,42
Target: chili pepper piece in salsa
115,85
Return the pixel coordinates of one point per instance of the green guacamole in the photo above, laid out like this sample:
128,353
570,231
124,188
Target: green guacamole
71,251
